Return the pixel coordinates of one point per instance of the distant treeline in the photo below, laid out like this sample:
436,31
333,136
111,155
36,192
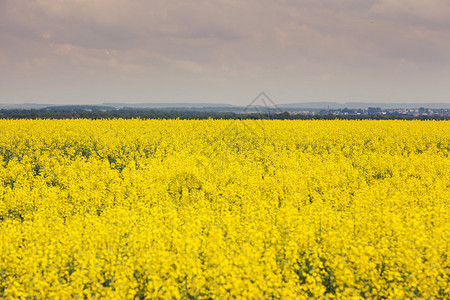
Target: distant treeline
71,113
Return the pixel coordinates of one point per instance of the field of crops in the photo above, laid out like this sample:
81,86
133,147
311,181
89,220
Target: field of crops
220,209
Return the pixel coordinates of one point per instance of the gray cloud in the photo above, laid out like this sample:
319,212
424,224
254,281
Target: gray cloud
224,50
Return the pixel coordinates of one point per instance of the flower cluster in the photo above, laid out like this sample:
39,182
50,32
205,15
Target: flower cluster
215,209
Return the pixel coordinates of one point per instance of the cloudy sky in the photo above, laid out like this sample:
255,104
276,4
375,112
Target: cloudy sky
224,51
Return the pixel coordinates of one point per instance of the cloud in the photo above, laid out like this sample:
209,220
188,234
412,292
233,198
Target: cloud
430,11
228,42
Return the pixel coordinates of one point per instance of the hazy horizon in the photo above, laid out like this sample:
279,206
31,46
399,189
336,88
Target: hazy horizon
224,51
213,102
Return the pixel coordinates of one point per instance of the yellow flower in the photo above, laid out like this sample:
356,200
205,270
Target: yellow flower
125,209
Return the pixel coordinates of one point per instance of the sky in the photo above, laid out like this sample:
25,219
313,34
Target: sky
224,51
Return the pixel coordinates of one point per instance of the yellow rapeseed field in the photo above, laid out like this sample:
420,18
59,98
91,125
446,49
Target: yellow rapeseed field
215,209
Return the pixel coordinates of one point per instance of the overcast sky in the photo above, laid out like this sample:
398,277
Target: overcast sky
224,51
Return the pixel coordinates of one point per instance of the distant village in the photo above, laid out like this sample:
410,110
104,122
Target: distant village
422,111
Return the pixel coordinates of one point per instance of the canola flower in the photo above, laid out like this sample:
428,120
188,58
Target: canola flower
215,209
